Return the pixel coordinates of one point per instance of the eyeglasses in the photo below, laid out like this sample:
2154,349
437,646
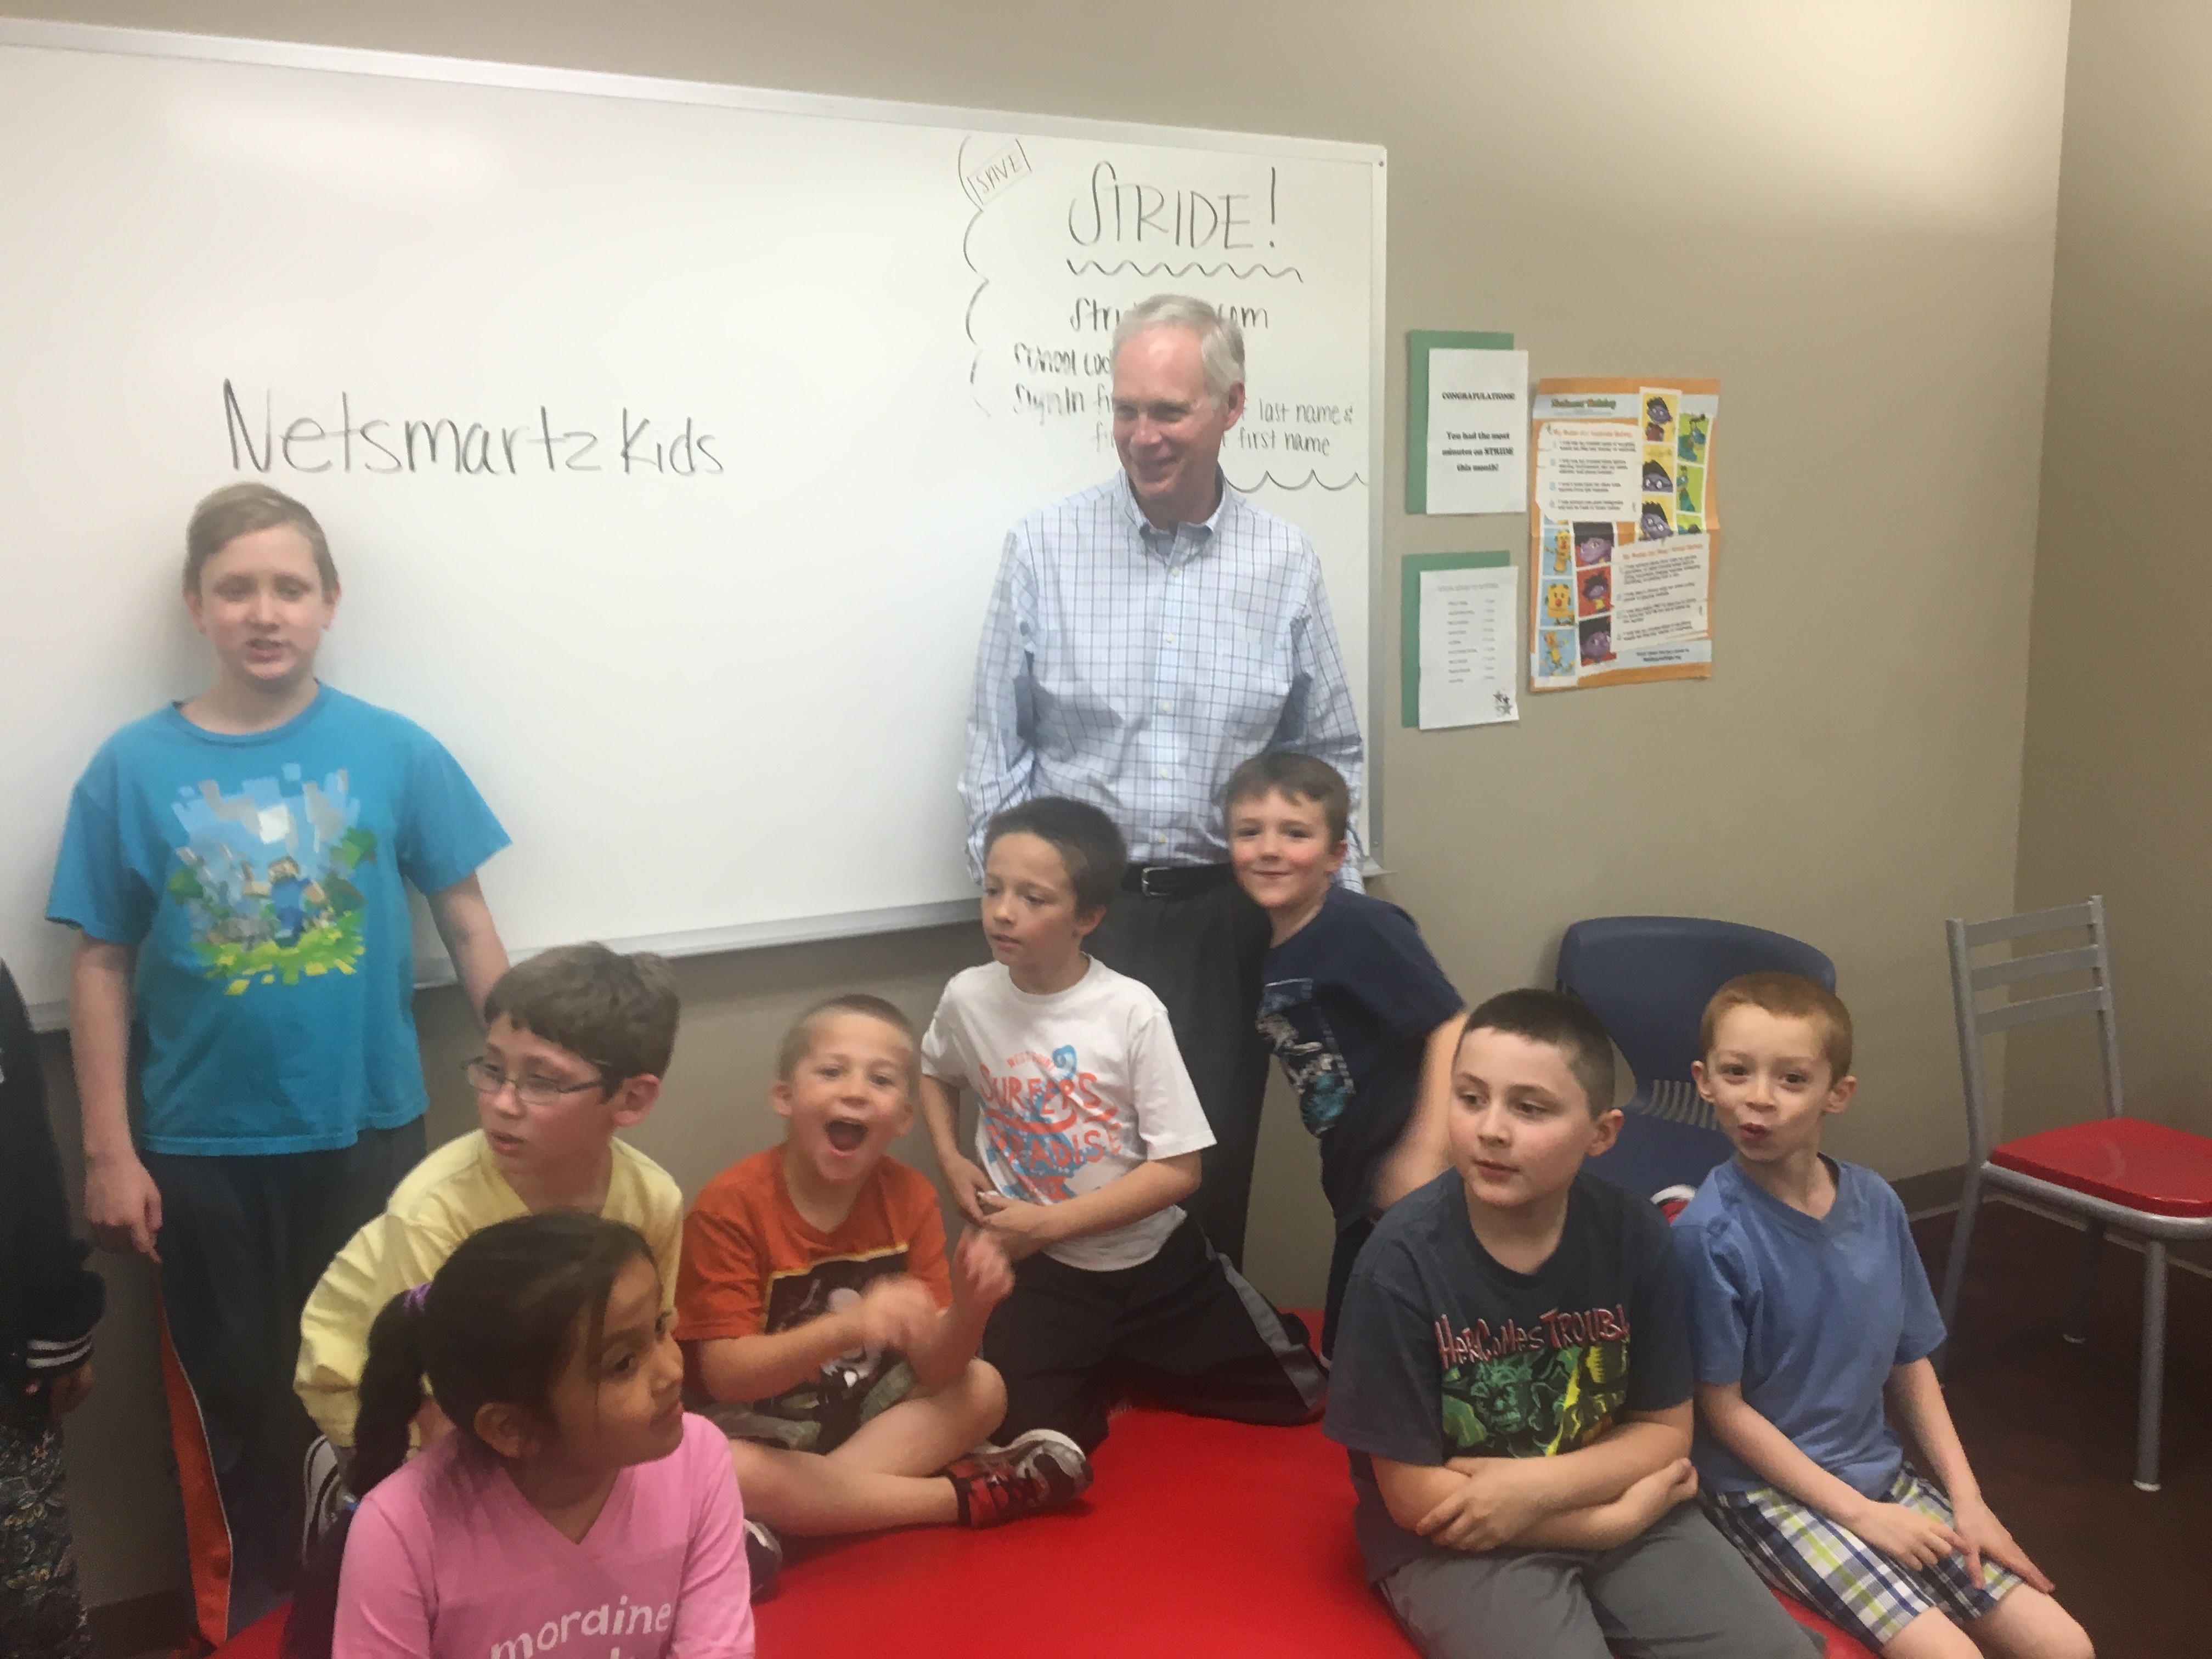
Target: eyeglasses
537,1092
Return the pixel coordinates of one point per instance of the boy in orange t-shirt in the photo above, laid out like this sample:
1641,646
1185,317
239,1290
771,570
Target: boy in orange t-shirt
821,1324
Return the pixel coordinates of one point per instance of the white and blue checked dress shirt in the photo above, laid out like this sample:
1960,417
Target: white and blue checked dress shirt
1135,668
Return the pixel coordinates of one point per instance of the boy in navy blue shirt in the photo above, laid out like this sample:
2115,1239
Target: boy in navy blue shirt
1809,1311
1357,1010
236,866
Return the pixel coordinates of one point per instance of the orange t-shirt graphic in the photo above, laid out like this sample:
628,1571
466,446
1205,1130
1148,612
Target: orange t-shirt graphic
752,1266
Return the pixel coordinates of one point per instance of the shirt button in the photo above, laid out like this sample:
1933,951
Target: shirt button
1167,708
1170,638
1164,771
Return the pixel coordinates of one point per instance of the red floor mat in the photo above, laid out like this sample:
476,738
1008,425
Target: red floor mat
1200,1538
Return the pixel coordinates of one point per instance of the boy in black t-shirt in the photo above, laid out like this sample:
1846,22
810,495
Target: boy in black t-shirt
1514,1383
1357,1010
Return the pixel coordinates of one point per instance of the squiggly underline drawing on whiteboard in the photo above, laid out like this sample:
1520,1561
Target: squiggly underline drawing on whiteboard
1311,478
1165,269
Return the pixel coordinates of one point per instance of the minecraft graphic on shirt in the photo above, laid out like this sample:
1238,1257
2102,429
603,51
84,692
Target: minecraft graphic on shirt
266,878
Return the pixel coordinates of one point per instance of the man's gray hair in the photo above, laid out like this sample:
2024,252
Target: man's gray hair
1220,342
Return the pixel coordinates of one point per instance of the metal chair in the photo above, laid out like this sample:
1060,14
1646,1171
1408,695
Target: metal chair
2147,1180
1648,979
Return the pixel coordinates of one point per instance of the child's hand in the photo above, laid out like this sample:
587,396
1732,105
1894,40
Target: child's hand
965,1180
1982,1534
66,1392
894,1312
123,1207
1494,1503
982,1278
1905,1535
1018,1229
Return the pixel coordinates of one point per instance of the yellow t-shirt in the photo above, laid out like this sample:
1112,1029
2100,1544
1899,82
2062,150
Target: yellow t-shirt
455,1191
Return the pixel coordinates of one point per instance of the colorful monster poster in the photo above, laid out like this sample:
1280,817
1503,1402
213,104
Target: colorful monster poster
1623,530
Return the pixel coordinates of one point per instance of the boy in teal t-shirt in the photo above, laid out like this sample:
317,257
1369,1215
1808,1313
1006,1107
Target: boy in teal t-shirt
236,866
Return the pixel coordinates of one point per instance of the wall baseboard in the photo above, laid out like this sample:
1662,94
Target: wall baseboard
1932,1192
154,1623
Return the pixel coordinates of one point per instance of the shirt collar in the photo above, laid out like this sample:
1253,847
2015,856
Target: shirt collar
1145,528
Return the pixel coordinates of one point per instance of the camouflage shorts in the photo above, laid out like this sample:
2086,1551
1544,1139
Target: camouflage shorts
824,1431
39,1612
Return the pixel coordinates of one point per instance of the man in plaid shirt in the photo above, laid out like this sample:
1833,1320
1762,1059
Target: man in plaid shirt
1144,637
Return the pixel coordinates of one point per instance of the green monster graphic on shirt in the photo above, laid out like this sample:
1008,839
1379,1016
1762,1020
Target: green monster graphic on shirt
1515,1390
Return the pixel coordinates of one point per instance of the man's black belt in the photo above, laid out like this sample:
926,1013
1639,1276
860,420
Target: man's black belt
1173,881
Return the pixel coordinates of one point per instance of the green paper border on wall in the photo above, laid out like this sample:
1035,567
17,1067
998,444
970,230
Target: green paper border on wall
1409,616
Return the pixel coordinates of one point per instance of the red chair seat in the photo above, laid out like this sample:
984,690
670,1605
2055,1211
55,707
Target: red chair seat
2125,1160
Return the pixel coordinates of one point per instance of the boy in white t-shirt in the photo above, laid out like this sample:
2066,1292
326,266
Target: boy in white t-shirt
1088,1137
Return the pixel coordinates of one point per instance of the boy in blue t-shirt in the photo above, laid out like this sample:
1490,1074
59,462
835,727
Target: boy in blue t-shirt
236,866
1363,1020
1809,1310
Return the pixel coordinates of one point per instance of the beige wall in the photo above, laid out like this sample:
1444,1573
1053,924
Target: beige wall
1845,212
2114,801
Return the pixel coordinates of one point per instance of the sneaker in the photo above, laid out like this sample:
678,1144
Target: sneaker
323,1476
1040,1470
763,1559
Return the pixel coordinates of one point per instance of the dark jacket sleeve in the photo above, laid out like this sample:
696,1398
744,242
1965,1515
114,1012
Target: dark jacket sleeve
49,1299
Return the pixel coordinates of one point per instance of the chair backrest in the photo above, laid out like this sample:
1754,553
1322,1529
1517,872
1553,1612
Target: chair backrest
1648,979
1976,1022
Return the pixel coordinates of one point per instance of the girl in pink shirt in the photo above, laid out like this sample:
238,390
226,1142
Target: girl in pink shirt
574,1512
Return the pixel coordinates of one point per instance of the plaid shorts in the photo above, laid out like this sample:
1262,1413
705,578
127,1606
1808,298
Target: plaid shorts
1844,1578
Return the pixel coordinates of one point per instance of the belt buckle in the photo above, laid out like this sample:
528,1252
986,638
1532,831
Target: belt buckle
1145,881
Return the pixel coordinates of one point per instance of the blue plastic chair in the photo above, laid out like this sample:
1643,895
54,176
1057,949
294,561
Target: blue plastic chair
1648,979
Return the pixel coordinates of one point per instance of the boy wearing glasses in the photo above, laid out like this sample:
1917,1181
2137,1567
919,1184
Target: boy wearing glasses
575,1042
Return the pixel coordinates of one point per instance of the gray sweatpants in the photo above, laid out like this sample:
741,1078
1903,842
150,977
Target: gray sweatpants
1680,1591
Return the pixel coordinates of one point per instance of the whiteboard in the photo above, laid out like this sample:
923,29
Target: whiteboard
666,434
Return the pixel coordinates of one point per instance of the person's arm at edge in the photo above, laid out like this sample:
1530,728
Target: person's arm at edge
1330,729
980,1283
61,1298
996,766
1915,1400
714,1608
964,1177
747,1368
1901,1533
1131,1196
471,939
382,1610
1423,1151
1558,1503
122,1206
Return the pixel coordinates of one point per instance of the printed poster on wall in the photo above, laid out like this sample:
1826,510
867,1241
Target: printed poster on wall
1624,528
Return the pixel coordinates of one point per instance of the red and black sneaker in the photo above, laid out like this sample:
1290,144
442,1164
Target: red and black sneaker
1041,1470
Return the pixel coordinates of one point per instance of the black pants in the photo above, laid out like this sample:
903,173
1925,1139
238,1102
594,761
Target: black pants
243,1241
1183,1329
1200,956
